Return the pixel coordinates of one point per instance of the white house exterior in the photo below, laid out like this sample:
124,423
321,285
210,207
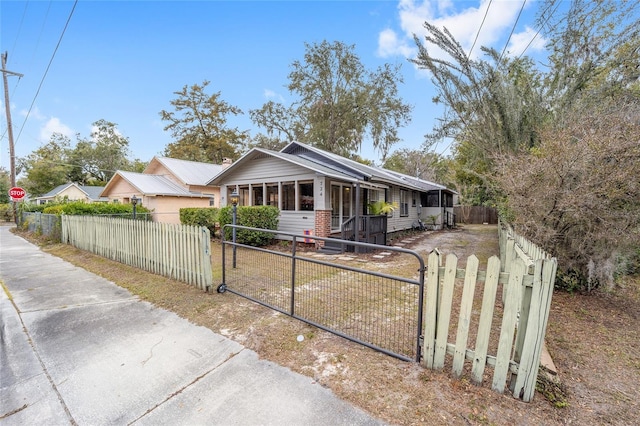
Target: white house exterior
72,192
317,191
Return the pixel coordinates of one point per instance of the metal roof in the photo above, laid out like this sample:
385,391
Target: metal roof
150,185
190,172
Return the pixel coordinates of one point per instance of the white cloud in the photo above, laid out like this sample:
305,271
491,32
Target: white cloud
53,125
460,18
520,42
390,45
270,94
35,113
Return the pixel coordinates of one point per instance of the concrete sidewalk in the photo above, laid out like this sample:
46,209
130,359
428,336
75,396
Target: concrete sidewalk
77,349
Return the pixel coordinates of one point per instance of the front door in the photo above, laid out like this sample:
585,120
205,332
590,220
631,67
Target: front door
341,205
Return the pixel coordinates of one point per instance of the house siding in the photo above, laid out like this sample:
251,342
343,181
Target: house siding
297,222
397,222
71,193
167,209
268,169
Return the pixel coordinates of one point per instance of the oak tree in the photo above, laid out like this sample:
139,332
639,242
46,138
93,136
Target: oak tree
199,126
339,104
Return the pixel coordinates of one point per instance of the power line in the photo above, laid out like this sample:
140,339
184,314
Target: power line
557,3
47,70
479,29
484,18
512,30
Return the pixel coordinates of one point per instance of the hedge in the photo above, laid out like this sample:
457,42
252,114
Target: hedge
207,217
265,217
81,208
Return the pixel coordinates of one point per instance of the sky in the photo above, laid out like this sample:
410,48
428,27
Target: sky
122,61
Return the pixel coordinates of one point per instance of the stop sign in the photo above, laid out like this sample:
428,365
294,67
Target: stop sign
17,193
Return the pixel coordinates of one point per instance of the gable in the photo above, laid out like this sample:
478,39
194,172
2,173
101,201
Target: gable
183,172
265,167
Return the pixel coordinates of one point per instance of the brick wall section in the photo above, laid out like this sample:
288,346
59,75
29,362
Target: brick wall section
322,225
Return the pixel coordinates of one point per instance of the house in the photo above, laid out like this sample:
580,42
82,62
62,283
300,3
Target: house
165,186
323,194
72,192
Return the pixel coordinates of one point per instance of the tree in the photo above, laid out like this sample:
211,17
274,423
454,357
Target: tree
339,103
96,159
578,194
421,164
199,126
46,167
537,143
493,106
92,161
266,142
5,185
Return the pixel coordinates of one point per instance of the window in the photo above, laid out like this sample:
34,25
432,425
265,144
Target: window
449,200
272,195
244,196
413,198
212,201
432,199
257,196
306,196
404,205
288,196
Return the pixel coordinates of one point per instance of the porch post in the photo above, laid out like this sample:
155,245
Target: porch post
357,216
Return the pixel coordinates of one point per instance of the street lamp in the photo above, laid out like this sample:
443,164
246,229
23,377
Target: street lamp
234,198
134,201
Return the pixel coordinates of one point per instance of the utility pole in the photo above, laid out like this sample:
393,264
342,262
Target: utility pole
7,107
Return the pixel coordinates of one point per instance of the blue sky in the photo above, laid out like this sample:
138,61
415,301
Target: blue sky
122,60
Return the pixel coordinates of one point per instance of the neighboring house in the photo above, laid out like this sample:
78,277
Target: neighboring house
73,192
165,186
322,193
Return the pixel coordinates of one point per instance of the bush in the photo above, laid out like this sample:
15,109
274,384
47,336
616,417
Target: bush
80,208
265,217
6,212
207,217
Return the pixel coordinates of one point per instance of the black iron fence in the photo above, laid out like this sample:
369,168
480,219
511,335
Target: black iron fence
380,310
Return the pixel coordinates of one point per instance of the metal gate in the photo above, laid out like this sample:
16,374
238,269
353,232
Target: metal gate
342,294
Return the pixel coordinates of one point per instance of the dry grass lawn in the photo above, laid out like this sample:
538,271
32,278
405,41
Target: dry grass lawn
593,339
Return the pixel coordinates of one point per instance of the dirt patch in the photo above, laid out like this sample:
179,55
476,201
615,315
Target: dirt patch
593,339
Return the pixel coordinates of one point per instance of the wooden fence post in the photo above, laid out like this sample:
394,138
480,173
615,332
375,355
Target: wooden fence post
541,294
511,306
444,311
486,317
430,316
464,319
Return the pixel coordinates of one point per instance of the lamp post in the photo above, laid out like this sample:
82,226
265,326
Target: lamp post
134,201
234,198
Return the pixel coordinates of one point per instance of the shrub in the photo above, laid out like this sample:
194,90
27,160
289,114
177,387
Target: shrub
265,217
207,217
6,212
80,208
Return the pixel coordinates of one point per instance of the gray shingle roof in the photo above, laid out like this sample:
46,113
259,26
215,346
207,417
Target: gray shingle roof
330,164
55,191
93,192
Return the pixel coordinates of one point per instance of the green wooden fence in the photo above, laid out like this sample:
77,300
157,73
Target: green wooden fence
489,324
181,252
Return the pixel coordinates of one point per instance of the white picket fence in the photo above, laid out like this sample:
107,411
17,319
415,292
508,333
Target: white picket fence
180,252
527,287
